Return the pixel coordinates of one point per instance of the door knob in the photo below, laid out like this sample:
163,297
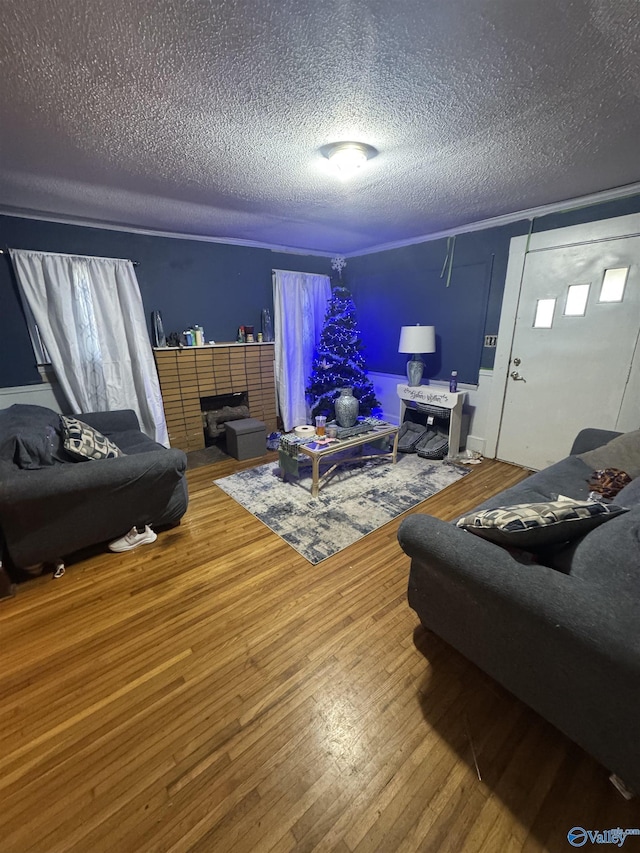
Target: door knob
517,362
516,376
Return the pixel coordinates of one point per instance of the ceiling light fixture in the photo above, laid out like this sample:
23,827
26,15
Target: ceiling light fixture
348,157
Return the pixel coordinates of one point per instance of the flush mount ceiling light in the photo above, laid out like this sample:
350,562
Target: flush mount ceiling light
348,157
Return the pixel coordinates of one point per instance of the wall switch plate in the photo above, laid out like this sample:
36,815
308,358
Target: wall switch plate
490,340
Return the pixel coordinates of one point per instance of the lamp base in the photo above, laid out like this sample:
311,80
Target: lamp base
415,369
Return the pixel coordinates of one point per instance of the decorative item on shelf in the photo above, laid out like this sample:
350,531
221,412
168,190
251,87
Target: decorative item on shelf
416,339
240,337
347,408
338,264
453,382
188,337
248,335
259,337
267,326
198,336
157,329
173,340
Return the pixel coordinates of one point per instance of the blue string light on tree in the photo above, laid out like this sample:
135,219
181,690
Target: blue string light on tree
339,360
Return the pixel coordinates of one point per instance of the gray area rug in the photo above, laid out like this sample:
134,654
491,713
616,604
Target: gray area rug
354,501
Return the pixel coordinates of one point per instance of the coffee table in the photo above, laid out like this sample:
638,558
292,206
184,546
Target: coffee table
319,452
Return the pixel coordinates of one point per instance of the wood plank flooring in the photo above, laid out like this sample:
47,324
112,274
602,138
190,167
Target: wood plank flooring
215,692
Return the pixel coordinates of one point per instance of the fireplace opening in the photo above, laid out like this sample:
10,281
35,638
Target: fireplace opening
217,410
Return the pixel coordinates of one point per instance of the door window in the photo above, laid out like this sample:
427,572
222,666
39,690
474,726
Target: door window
544,313
576,303
613,284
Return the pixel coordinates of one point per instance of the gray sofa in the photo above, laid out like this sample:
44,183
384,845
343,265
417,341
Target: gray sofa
52,505
559,628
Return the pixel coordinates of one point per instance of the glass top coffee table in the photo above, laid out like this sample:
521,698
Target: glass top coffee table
319,451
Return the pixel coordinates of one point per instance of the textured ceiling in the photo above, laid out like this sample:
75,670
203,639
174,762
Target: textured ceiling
205,117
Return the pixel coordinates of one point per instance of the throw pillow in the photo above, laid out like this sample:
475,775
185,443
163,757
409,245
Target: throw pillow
85,442
621,452
538,525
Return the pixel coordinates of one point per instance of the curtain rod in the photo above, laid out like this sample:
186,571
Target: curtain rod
135,263
302,272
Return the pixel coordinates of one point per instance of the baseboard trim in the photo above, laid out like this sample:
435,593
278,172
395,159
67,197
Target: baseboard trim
475,442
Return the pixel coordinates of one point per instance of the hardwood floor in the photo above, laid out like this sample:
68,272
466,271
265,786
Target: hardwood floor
215,692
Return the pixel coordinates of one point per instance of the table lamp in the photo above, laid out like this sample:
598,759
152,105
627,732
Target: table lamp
416,339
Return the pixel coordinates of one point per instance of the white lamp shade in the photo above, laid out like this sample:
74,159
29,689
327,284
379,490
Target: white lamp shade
417,339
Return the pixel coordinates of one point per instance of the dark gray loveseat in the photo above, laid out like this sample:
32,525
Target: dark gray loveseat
563,637
51,506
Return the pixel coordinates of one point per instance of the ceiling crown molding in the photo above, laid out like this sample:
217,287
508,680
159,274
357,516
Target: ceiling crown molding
480,225
507,218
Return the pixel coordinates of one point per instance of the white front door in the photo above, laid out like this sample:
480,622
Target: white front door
573,355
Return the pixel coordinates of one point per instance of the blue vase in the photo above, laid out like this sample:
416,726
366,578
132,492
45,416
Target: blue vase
347,408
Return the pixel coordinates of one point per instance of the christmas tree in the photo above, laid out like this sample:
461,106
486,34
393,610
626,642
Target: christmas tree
339,360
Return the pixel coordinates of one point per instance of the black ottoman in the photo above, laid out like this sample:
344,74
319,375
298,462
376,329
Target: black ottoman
246,438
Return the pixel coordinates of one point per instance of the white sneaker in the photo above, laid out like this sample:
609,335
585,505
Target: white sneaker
132,539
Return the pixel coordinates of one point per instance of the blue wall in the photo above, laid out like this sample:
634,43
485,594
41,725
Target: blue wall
217,285
401,287
223,286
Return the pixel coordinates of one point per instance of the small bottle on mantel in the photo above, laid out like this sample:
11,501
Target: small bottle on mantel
453,382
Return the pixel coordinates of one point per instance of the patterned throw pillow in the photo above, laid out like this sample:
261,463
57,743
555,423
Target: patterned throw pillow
85,442
538,525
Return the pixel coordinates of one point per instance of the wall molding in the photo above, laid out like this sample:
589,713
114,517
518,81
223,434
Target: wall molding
24,389
479,225
509,218
43,394
60,219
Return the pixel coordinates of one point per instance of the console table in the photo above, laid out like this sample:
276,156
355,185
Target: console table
432,396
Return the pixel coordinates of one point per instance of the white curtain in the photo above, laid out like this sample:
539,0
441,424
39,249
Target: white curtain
90,317
300,305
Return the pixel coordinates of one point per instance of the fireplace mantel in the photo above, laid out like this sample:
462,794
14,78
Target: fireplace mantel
186,374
